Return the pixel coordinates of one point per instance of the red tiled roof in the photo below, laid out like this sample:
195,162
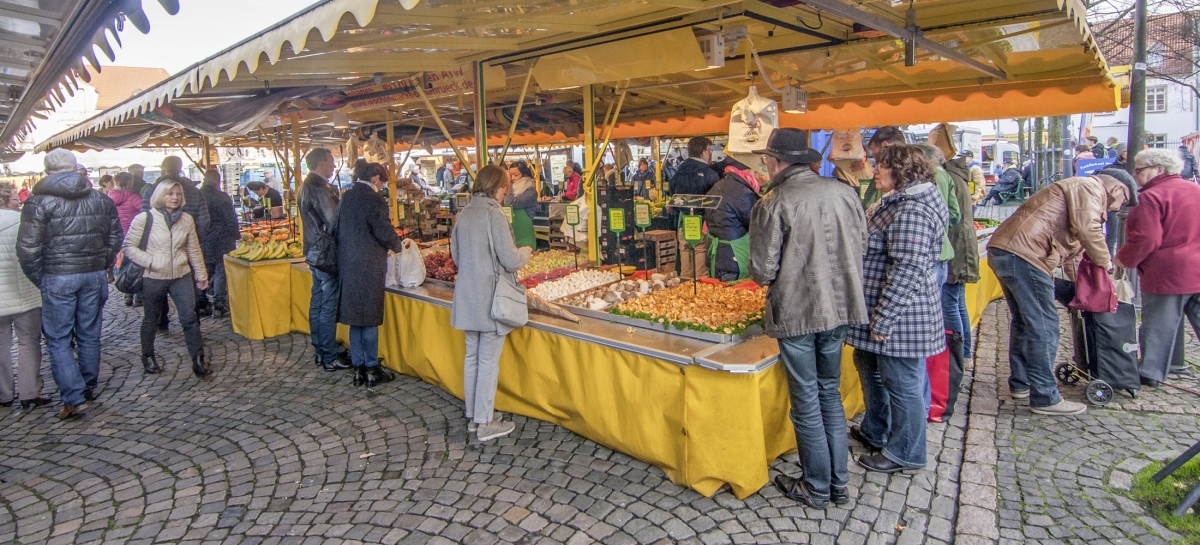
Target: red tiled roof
1171,34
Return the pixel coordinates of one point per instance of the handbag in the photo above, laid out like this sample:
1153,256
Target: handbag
129,278
1094,290
509,306
322,254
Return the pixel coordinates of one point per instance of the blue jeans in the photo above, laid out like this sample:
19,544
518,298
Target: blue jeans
322,315
73,307
954,310
218,285
895,417
364,346
1033,332
814,373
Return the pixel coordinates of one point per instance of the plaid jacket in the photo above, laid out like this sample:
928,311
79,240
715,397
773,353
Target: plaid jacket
904,242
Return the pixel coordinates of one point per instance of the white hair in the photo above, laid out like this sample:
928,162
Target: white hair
59,160
1169,160
160,193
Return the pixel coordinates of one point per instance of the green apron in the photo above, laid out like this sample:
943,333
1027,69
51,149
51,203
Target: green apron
741,254
522,226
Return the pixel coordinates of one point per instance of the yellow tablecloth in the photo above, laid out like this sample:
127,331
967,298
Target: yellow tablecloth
703,428
260,296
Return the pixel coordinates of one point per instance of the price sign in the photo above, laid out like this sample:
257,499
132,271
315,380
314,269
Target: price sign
401,210
693,228
616,219
572,214
507,210
641,215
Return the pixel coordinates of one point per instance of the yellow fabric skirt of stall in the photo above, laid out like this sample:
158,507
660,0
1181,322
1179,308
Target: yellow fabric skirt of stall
703,428
258,291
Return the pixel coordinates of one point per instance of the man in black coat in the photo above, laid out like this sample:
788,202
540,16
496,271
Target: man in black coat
222,239
268,198
139,178
729,223
69,236
364,237
318,203
694,177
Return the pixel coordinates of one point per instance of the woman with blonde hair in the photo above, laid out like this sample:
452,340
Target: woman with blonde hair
483,246
174,266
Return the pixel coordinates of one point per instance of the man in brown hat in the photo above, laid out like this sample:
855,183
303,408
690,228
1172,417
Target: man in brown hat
807,240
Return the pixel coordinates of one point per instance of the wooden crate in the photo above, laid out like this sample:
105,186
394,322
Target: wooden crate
661,235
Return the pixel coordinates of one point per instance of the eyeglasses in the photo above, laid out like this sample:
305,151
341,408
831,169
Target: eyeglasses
1139,170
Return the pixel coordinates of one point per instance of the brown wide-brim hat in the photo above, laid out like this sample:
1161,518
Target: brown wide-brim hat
790,146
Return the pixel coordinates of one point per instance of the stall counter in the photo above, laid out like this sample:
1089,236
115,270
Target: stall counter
707,414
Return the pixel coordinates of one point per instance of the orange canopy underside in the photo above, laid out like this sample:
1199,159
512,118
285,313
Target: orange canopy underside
930,108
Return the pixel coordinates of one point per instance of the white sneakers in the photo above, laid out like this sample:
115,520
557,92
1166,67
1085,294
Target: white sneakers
494,430
1020,395
1062,408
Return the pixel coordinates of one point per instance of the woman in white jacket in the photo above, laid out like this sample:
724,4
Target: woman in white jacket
20,310
174,266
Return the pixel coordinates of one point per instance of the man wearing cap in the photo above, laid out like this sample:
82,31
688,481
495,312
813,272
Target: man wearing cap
807,241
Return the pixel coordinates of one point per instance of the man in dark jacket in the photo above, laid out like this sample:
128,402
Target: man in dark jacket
1189,164
139,178
1096,147
364,237
1008,181
729,222
222,239
694,177
268,198
193,204
318,203
807,241
69,236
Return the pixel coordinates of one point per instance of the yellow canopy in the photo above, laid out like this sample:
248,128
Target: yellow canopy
364,59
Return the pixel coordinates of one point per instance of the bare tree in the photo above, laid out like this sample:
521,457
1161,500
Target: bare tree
1173,31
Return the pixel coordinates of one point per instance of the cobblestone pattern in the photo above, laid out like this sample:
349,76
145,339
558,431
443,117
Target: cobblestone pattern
275,451
1059,478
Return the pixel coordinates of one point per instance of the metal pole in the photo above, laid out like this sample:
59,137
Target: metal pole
589,153
1137,88
393,184
481,135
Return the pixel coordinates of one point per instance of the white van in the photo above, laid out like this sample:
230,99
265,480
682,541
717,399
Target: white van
995,154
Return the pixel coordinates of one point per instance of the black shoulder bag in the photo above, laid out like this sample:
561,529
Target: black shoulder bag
129,278
322,253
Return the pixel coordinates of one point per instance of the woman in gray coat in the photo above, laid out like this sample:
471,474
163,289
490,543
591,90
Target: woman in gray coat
482,244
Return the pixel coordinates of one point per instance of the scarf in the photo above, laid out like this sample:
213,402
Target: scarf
171,217
521,186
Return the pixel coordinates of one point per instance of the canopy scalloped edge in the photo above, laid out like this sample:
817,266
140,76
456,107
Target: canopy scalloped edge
323,18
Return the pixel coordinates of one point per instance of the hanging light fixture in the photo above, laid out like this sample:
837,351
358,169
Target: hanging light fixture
795,99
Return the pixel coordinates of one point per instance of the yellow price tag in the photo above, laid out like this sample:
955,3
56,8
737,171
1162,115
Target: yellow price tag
572,214
641,215
693,228
507,210
616,219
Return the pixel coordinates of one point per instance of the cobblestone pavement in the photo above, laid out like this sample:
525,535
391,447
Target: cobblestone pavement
276,451
1060,480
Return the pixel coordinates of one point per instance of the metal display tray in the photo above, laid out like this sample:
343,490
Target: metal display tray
646,324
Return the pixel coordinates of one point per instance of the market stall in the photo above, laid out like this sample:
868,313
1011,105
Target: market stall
706,402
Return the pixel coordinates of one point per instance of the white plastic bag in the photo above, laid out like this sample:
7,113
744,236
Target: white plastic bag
412,265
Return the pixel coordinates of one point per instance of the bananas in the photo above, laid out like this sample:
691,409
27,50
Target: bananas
275,249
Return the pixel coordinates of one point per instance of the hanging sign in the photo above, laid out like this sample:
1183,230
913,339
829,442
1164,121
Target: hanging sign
507,210
616,220
641,215
401,211
572,214
693,228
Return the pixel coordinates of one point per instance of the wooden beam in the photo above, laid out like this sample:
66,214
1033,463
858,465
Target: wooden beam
20,42
891,70
672,97
801,79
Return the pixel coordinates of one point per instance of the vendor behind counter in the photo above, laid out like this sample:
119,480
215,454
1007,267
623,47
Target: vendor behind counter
729,223
268,198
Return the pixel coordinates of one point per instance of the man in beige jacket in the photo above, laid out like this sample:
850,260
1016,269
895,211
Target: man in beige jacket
1049,230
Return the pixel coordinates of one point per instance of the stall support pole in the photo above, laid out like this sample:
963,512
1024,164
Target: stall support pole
512,129
390,132
589,153
462,158
295,181
1137,88
481,135
656,153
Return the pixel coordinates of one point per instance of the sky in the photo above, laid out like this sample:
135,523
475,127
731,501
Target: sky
201,29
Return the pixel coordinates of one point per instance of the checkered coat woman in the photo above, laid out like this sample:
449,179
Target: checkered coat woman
904,241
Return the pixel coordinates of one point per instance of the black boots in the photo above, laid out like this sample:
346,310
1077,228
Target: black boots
378,375
372,376
200,366
336,365
150,364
